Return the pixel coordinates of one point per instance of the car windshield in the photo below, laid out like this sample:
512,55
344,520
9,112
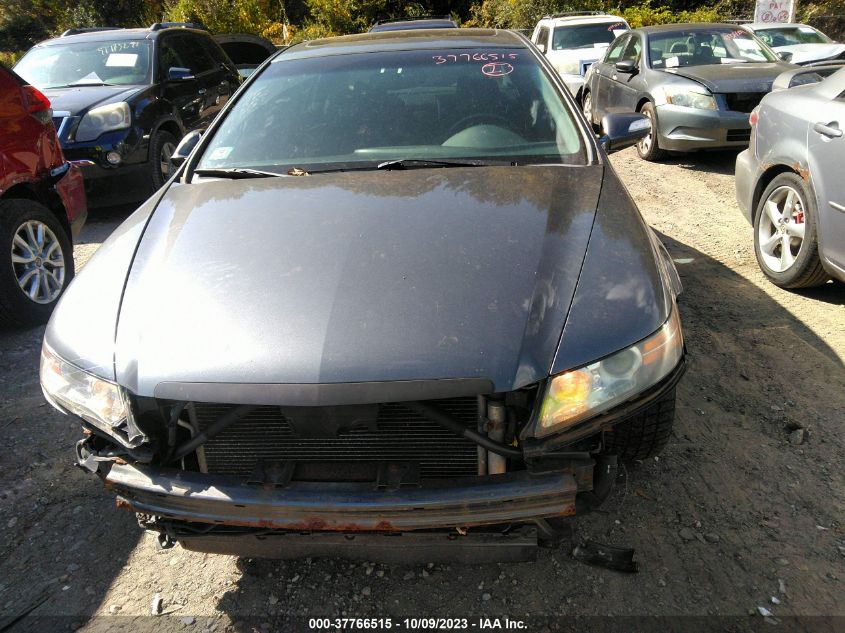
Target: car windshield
792,35
703,47
362,110
586,35
123,62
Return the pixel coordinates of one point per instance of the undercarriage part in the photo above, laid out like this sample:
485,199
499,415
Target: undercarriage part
497,415
518,545
448,422
607,556
96,449
604,475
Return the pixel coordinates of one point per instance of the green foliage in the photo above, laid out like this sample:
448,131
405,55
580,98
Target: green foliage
646,15
225,16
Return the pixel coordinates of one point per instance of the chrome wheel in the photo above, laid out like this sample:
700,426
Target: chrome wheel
781,229
38,262
165,163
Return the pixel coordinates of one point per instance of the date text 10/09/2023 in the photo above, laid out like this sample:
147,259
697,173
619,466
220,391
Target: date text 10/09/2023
417,624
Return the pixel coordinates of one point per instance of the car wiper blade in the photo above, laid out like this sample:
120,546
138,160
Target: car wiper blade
416,163
82,84
236,173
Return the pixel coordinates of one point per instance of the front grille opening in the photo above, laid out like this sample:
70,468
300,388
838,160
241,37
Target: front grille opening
738,135
341,443
743,101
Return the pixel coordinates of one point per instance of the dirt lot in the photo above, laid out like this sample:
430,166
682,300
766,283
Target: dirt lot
733,516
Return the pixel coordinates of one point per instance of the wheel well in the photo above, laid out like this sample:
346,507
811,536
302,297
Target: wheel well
172,127
768,176
50,199
641,103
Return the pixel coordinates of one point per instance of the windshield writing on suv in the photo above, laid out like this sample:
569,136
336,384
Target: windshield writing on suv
586,35
360,110
123,62
702,47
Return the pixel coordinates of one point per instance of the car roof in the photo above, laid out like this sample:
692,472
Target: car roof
762,26
686,26
407,25
116,35
419,39
583,19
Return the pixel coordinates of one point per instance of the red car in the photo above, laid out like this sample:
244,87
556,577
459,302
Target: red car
42,205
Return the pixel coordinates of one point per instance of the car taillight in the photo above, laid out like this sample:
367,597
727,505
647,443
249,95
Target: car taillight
37,104
754,118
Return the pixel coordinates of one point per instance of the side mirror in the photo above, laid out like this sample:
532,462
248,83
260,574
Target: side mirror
185,147
542,48
626,66
622,130
785,56
179,74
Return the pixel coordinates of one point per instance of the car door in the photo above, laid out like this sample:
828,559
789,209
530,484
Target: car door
211,86
826,148
625,88
183,93
603,71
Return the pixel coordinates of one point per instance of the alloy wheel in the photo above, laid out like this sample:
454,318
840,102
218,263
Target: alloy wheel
647,140
38,262
587,107
781,228
165,163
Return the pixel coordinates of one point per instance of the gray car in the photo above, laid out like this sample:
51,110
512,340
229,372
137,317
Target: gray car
697,83
789,181
395,289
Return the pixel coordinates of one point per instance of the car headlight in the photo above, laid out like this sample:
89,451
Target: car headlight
99,402
690,99
569,68
104,119
582,393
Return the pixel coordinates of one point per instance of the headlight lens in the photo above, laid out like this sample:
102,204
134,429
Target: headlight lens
569,68
689,99
104,119
583,393
95,400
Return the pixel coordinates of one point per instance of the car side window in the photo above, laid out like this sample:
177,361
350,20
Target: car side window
543,37
191,50
633,50
169,57
215,52
615,50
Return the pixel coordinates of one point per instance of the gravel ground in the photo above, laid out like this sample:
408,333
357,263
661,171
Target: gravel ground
737,515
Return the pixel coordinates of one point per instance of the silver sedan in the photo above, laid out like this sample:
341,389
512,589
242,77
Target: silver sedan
789,181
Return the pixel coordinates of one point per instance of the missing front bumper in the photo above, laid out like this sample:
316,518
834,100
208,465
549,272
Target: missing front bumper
342,507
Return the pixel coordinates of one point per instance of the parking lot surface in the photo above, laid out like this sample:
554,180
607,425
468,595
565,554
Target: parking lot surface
745,509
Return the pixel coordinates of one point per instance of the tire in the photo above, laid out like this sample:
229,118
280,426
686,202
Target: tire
648,148
42,275
645,434
785,234
587,108
162,145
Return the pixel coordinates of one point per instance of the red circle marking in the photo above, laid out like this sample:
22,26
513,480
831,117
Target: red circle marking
497,69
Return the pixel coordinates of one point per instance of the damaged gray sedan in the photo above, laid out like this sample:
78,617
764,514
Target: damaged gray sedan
395,303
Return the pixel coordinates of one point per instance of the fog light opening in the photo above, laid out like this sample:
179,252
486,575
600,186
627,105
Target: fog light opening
114,158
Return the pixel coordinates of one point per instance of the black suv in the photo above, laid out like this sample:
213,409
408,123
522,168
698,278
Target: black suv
122,98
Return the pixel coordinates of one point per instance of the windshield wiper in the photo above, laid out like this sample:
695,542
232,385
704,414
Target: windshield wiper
416,163
82,84
236,173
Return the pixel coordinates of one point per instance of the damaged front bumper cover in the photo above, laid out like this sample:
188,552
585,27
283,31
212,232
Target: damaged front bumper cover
341,507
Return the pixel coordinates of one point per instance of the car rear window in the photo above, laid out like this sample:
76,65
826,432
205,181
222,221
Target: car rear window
360,109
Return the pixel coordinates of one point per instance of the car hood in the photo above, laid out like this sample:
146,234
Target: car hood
803,53
357,277
724,78
79,99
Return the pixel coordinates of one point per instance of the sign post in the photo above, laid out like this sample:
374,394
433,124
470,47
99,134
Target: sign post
780,11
